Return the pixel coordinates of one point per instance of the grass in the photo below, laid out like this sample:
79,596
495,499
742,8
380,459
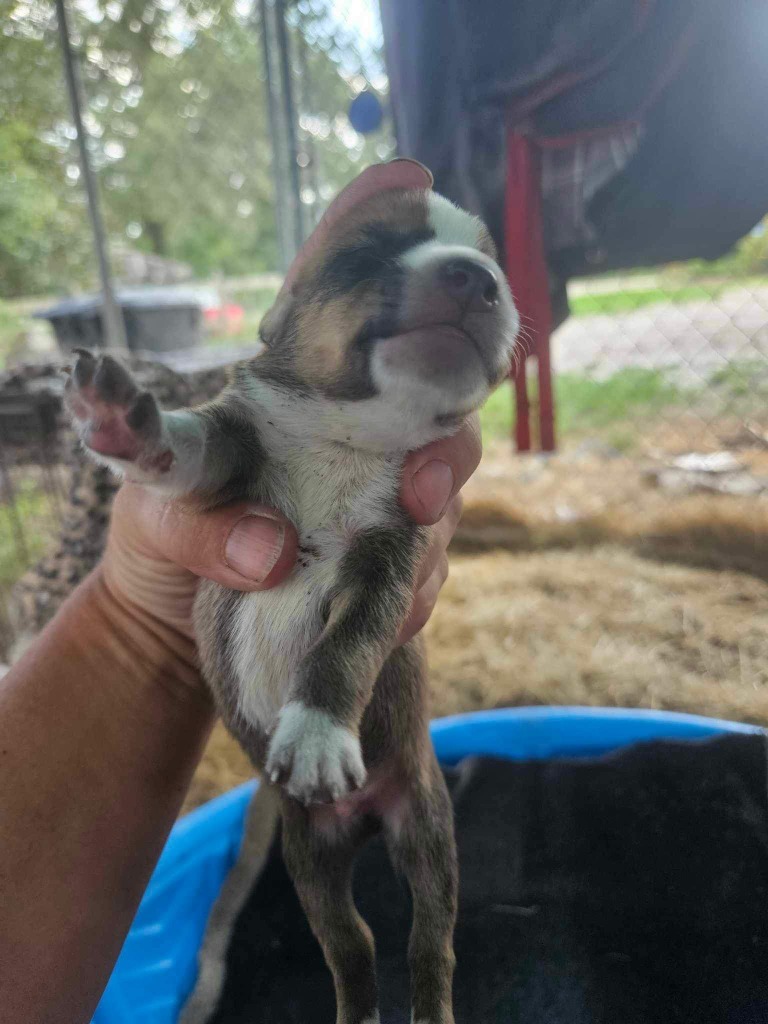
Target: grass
744,381
625,613
496,414
615,408
625,302
13,324
255,302
11,319
598,407
31,519
590,405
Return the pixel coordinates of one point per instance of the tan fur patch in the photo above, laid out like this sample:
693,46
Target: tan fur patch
325,330
327,326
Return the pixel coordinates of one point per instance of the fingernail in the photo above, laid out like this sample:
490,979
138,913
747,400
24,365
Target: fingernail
433,486
417,163
253,547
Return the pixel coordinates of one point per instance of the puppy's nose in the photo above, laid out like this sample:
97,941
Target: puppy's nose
471,283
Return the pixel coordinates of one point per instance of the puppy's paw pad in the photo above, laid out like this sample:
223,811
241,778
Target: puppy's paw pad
314,758
115,419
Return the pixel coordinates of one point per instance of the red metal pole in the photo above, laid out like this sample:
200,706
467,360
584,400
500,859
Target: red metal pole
522,407
546,399
526,268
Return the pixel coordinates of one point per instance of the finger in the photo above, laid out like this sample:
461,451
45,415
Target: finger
441,535
424,603
242,546
435,474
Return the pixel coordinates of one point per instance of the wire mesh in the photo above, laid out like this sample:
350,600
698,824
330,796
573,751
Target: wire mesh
670,363
346,33
34,484
218,140
218,133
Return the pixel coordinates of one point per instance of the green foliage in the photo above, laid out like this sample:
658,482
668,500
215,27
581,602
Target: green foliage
748,256
179,137
196,175
12,322
43,233
32,514
751,253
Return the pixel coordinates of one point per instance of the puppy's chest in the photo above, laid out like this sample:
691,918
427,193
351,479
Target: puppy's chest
331,494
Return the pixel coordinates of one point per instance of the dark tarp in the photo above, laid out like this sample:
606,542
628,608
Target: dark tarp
651,117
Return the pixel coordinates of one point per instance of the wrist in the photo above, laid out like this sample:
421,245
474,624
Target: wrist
147,652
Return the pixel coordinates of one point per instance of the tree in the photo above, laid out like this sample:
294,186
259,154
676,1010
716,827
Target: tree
44,239
178,129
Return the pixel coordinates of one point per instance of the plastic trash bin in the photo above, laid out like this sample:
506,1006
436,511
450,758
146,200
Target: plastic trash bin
157,966
156,320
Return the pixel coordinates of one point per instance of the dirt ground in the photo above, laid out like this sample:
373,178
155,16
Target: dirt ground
574,580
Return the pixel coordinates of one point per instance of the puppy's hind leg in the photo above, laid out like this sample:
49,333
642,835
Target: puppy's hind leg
320,865
421,842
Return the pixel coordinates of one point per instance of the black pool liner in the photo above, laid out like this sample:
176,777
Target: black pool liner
626,889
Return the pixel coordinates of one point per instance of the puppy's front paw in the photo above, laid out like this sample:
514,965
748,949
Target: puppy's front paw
113,418
316,760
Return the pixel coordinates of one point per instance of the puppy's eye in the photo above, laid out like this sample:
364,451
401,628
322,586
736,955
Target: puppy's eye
370,257
352,266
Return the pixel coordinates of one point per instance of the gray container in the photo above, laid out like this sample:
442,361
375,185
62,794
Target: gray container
156,320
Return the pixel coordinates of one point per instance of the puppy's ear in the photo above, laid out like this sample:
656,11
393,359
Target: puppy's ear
274,322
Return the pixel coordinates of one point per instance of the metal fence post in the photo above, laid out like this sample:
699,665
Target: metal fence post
282,123
114,326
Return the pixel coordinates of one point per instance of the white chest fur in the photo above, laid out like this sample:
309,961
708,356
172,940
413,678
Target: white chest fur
330,492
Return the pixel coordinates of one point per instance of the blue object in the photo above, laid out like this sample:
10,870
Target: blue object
366,112
158,963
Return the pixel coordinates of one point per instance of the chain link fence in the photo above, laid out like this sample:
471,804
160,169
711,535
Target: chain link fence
315,149
662,376
219,134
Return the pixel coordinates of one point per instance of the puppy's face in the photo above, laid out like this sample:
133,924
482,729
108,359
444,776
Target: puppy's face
405,308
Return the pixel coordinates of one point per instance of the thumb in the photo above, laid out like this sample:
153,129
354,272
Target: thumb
244,547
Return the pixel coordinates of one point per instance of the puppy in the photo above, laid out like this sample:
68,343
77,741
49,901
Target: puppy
389,335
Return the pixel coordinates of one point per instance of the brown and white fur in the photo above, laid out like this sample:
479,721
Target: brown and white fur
387,339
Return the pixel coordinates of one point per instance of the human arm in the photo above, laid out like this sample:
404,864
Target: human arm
104,720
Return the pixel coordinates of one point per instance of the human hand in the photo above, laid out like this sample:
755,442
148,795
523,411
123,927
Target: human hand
158,549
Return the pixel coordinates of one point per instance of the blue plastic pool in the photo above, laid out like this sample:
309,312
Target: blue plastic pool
157,966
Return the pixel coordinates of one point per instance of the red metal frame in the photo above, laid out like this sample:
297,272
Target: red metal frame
526,268
525,255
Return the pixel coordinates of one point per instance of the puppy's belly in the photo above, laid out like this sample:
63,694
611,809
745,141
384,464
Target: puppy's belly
271,634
